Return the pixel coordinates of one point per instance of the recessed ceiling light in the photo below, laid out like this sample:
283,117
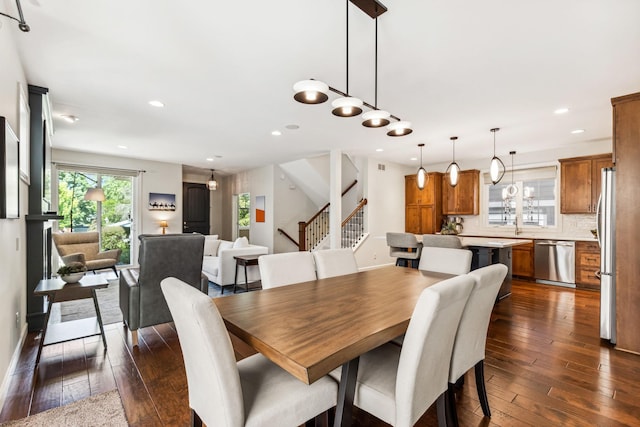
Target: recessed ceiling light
413,158
156,103
379,150
69,118
562,110
575,131
292,127
276,133
209,159
124,147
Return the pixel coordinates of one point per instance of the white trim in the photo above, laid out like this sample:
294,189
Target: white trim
12,365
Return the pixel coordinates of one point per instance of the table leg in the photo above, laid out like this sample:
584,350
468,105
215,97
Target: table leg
346,393
44,329
95,303
246,279
235,280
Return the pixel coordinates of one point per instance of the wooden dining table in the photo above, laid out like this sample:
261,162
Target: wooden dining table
311,328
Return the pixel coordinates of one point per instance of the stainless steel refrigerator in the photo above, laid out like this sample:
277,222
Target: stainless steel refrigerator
606,217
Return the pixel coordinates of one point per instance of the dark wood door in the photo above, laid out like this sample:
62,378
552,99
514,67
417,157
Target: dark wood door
195,208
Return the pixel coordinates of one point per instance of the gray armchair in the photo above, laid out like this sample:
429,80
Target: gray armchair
405,247
160,256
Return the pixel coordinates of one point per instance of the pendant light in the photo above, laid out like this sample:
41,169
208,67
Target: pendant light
347,106
311,92
212,184
400,128
421,176
375,118
453,170
512,189
496,169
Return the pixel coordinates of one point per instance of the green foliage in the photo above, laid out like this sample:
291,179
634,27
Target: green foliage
116,237
73,267
244,210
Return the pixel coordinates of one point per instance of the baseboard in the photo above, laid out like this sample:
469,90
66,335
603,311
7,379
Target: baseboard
12,365
374,267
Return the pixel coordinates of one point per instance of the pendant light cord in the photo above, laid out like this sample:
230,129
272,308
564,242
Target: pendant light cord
375,97
347,44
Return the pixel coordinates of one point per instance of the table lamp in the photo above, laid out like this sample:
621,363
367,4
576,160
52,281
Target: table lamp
164,226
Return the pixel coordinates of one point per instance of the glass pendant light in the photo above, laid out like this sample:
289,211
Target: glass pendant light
453,170
421,176
311,92
496,169
212,184
512,189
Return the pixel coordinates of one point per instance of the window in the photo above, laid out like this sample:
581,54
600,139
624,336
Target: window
244,214
531,199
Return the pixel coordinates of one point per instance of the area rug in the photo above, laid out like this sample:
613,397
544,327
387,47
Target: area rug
108,301
101,410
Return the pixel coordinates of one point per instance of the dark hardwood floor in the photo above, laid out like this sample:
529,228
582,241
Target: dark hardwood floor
545,366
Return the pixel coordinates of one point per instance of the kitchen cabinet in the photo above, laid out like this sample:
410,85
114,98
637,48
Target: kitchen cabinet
587,265
580,183
523,261
423,208
626,146
464,198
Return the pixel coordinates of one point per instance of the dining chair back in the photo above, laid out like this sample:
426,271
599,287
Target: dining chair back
471,337
286,269
398,384
404,247
441,241
335,262
445,260
251,392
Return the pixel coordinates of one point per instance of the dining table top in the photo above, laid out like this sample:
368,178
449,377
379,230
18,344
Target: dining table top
311,328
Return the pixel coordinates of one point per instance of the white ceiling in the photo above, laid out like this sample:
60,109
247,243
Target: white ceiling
225,70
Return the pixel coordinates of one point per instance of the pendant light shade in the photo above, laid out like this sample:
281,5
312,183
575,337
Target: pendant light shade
512,189
453,170
375,118
399,128
496,169
421,176
347,106
310,92
95,194
212,184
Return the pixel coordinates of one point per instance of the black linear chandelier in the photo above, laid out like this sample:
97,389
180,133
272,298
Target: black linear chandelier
21,22
315,92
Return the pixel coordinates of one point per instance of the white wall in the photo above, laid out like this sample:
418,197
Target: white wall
384,190
13,268
158,177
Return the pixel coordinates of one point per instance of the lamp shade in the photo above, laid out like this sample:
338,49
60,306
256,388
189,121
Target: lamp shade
95,194
421,178
212,184
454,173
375,118
164,224
400,128
347,106
496,170
310,92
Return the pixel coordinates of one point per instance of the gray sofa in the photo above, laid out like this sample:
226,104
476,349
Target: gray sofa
160,256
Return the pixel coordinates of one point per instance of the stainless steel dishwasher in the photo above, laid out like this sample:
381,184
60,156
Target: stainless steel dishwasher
555,262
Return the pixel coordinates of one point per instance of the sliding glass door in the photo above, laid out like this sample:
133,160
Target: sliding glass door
110,215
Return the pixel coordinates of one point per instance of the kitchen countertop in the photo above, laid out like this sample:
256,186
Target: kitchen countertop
529,237
492,242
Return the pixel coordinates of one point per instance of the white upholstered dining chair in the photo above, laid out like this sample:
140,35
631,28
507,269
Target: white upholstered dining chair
471,337
445,260
398,384
286,269
251,392
335,262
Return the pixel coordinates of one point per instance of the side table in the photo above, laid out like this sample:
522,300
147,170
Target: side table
56,290
244,261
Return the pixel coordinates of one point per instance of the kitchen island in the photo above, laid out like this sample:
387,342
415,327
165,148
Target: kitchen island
493,250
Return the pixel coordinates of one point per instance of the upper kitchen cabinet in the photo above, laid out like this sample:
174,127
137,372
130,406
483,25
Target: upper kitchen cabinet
626,145
580,183
464,198
423,208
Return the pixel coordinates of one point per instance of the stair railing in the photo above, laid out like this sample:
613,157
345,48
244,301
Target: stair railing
353,226
311,232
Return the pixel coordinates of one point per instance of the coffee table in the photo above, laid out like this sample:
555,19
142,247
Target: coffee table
56,290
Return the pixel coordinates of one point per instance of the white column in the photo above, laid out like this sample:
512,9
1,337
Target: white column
335,198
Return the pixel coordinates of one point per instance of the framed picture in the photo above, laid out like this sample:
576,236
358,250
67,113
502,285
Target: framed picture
9,174
260,208
162,202
23,133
